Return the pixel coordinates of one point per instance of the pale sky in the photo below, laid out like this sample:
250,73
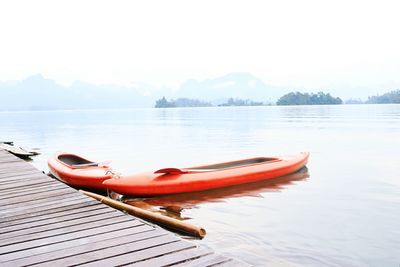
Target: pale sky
312,44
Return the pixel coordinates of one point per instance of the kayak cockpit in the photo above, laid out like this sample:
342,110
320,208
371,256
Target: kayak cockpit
217,167
73,160
233,164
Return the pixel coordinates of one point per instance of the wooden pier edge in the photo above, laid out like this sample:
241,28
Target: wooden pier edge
47,223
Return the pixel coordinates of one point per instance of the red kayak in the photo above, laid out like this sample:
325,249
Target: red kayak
77,171
174,180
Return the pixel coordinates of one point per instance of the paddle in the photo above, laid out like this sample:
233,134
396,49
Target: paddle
165,221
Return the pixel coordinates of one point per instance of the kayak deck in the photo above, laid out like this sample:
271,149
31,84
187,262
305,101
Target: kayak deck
175,180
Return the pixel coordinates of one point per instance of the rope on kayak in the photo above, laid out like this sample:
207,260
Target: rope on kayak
115,175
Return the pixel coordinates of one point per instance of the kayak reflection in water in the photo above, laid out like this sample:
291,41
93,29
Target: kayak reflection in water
173,205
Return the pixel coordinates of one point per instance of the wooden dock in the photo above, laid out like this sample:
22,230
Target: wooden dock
45,222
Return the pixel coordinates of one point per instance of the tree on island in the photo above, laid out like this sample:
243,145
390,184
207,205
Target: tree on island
392,97
163,103
297,98
240,102
354,101
181,102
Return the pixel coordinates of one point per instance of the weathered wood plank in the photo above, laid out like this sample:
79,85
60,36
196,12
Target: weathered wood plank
97,234
131,254
15,167
233,263
40,202
7,174
23,212
20,177
26,177
81,212
45,213
35,196
174,258
34,191
14,184
86,237
6,160
61,228
120,250
49,224
6,171
28,187
211,259
72,255
17,185
60,235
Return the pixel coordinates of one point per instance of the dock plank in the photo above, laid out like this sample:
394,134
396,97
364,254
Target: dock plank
29,188
59,234
69,215
110,231
175,258
111,247
205,260
51,225
35,197
13,176
54,213
34,192
139,252
37,204
12,215
101,241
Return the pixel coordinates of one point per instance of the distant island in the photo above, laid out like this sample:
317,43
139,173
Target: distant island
293,98
181,102
240,102
187,102
392,97
297,98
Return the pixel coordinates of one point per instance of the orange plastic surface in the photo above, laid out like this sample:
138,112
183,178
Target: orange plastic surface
89,177
170,180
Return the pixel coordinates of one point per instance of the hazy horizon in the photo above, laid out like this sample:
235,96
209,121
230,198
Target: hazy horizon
347,48
40,93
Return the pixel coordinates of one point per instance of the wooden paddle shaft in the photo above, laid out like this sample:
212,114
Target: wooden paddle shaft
156,218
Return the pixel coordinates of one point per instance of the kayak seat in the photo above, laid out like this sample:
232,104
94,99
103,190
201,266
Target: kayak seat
73,160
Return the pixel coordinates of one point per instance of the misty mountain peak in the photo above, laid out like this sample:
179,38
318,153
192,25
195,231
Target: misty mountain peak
35,77
38,81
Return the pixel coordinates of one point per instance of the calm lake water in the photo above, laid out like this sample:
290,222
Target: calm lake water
344,210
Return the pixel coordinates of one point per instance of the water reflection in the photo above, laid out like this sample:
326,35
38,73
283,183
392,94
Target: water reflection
174,205
347,214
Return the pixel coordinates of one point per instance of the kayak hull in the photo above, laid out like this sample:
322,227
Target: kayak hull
172,180
76,171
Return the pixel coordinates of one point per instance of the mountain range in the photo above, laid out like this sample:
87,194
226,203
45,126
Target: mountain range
39,93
